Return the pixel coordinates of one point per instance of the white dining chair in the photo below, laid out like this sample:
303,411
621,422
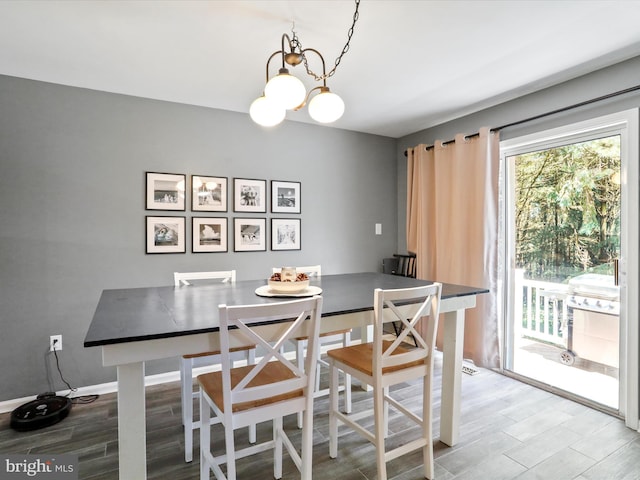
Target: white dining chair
337,337
384,363
267,391
189,362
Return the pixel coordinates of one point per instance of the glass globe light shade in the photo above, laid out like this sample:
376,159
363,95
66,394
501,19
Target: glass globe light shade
285,89
326,107
266,112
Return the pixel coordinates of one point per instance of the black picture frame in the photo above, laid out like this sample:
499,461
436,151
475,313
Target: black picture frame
286,234
285,196
209,235
209,194
249,195
165,234
249,234
165,191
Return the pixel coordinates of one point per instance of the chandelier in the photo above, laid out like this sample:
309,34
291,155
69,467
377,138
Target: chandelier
286,92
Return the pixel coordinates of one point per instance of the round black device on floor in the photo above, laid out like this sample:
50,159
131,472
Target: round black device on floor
48,409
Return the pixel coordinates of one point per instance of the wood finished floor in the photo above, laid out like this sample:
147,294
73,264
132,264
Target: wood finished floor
509,430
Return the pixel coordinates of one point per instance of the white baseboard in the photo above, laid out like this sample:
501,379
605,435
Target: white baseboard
100,389
111,387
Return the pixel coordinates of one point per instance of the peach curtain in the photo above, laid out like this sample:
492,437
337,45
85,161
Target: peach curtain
452,226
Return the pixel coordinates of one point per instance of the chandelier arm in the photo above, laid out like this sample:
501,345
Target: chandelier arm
306,99
279,52
285,36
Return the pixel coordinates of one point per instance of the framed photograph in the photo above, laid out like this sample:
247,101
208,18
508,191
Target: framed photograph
165,234
250,234
208,194
285,234
285,197
165,191
209,234
249,195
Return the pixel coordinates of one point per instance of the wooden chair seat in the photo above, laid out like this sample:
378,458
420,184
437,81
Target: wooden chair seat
273,372
360,357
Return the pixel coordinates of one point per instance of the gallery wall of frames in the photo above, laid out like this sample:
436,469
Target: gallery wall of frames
210,198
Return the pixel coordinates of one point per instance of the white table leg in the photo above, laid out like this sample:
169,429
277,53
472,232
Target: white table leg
452,349
132,437
366,336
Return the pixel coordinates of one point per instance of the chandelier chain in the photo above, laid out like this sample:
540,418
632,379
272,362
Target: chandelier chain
295,43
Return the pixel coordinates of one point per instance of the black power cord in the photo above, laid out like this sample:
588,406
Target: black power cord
83,399
48,408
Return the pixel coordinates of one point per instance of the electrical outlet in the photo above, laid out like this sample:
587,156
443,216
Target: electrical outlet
55,342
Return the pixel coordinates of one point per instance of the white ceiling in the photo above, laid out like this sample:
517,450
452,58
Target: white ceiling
412,64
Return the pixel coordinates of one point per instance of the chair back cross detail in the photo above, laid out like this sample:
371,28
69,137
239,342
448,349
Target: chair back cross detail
244,319
395,354
384,363
265,391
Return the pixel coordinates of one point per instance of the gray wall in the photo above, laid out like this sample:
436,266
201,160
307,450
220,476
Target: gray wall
72,200
72,211
600,83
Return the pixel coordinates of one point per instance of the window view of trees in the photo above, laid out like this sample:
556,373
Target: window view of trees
568,210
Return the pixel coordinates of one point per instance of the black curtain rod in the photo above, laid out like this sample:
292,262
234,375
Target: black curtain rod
553,112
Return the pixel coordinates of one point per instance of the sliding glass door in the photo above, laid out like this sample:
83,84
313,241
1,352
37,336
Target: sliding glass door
570,232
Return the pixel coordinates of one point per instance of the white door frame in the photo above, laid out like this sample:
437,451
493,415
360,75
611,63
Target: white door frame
626,124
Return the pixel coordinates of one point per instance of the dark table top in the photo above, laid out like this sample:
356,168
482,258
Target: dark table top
137,314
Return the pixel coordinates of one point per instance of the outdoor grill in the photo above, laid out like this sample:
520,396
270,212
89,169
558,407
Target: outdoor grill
593,320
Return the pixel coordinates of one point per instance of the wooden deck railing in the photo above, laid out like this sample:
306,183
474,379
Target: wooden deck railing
543,309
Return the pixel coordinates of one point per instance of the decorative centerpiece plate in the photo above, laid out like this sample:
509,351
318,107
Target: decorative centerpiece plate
266,291
288,284
288,287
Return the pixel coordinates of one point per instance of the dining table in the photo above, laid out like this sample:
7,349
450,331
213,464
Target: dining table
134,325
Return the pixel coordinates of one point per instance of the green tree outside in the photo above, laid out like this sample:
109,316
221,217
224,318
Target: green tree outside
568,210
